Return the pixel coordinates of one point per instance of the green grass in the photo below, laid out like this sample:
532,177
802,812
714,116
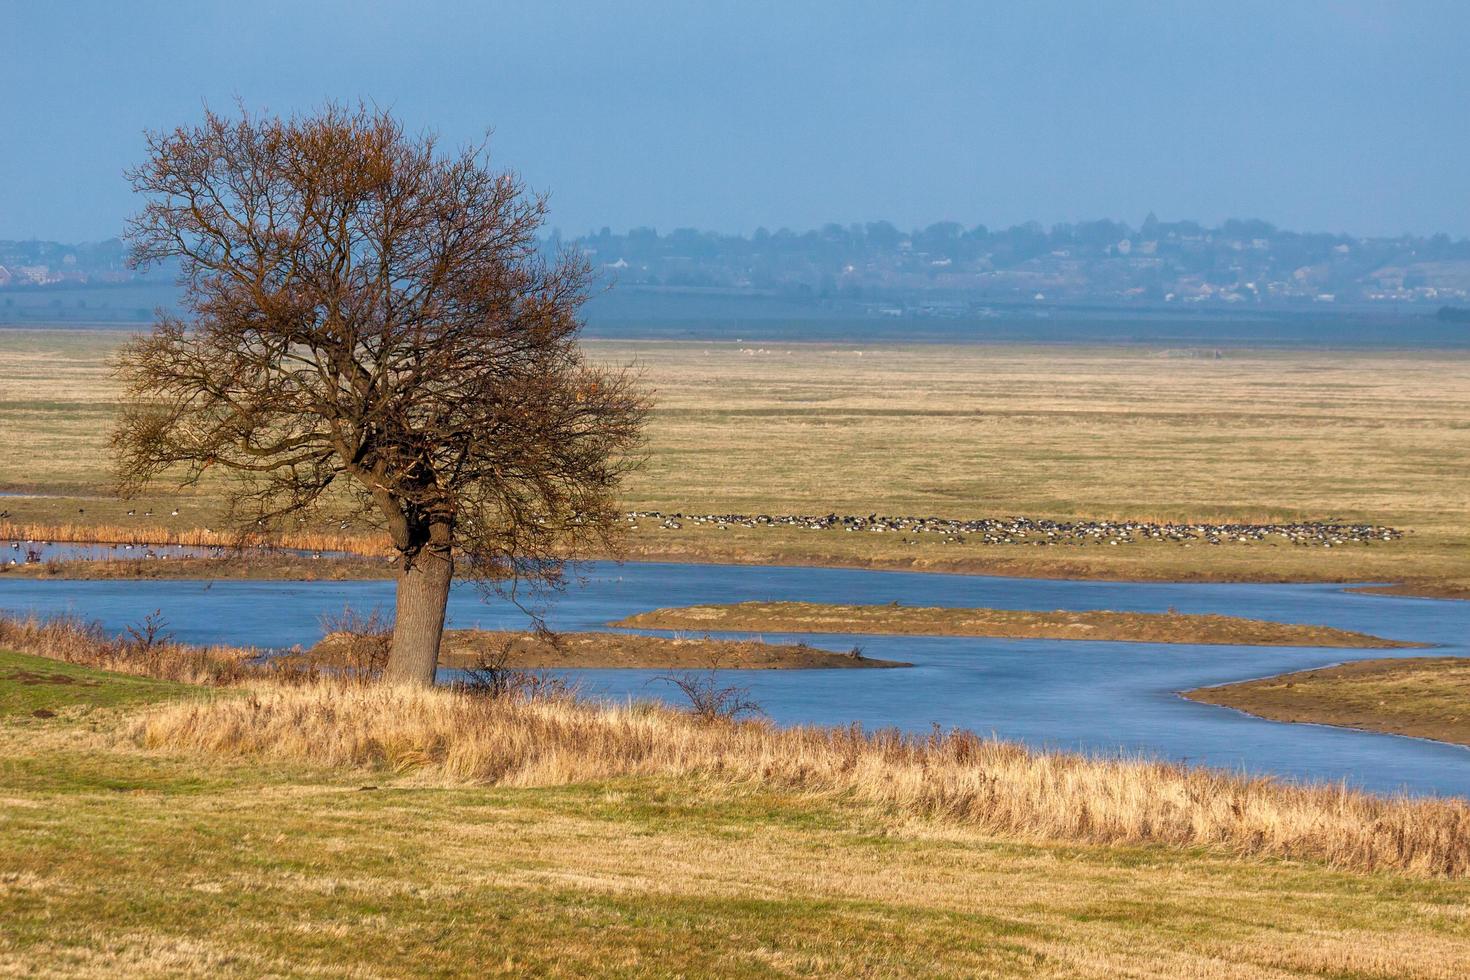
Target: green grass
118,861
35,684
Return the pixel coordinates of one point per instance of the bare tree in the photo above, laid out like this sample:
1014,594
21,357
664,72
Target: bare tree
370,325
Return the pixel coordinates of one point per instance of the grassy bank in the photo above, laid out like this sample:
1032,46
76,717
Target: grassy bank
1426,697
146,844
39,687
956,778
812,617
1122,432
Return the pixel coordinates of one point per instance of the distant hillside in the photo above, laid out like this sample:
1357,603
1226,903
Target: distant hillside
948,270
876,270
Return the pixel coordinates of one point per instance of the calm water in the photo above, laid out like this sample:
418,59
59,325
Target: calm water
13,552
1091,696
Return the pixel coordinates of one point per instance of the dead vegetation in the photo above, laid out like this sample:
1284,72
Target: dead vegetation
967,431
145,649
502,729
1000,787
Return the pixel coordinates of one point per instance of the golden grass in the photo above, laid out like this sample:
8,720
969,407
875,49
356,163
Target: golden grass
131,861
134,862
998,787
1133,627
74,641
970,431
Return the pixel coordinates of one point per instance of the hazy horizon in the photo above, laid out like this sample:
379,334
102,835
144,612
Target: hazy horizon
1337,117
1135,225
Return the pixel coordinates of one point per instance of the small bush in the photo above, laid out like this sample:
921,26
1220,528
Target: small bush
493,677
709,699
361,642
148,634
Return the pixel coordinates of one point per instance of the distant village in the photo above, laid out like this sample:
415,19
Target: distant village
947,269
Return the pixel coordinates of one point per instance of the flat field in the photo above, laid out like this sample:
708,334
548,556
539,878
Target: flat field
124,861
951,431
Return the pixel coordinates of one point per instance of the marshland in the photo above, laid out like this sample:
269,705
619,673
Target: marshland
1267,451
566,490
809,414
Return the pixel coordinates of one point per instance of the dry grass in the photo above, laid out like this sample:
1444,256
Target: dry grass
1104,432
123,861
998,787
261,565
1132,627
75,641
967,431
133,862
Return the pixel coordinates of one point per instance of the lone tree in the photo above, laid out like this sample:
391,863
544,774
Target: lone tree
370,324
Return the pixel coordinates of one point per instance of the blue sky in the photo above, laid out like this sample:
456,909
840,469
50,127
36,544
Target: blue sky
1317,115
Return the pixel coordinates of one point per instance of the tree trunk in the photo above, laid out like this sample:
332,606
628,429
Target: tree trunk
418,626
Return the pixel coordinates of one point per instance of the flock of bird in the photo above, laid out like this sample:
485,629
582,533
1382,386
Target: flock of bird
32,552
999,530
1026,530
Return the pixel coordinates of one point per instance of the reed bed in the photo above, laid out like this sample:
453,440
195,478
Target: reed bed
995,786
71,533
75,641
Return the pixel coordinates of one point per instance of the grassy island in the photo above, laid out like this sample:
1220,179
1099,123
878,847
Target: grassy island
569,651
810,617
1426,697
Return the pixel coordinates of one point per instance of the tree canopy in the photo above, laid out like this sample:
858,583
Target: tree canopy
369,321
